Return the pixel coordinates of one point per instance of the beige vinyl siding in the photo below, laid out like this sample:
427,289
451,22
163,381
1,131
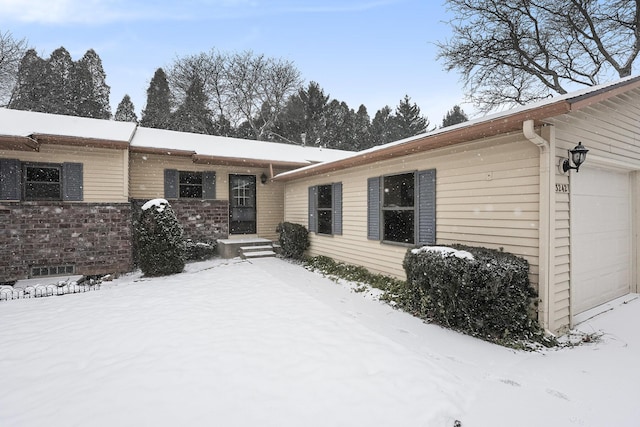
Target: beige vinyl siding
104,170
147,182
560,303
486,194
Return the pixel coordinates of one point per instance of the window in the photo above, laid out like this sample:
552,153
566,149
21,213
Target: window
398,208
190,185
401,208
42,182
325,209
325,213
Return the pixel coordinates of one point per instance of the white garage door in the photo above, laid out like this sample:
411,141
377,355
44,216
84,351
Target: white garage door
600,237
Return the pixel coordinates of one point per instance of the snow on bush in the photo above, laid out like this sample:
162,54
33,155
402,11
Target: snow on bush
483,292
161,249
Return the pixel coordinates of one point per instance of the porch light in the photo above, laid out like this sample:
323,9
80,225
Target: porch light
577,156
263,178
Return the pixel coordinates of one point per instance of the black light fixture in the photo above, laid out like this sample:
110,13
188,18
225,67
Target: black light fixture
263,178
577,156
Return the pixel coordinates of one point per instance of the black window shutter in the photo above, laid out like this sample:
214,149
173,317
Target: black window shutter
72,183
336,207
373,208
313,223
171,183
209,185
10,179
427,207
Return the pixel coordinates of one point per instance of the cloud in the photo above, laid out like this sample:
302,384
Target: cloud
82,11
108,11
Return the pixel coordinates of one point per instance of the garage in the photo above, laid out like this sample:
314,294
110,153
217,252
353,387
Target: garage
600,237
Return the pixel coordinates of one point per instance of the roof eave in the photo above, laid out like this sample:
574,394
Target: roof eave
18,143
441,139
79,141
240,161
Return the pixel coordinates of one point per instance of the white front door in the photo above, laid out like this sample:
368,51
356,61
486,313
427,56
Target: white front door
600,237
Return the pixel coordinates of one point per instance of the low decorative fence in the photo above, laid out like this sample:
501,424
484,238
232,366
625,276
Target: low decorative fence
39,291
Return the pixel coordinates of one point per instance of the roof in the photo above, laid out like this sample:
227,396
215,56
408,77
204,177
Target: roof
232,151
490,125
25,129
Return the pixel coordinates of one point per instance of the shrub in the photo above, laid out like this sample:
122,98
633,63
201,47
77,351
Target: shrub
354,273
294,239
158,234
481,292
199,251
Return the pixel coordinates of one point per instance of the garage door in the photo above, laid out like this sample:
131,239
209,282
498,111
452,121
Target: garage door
600,237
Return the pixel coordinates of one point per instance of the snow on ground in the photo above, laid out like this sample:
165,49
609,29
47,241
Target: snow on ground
267,343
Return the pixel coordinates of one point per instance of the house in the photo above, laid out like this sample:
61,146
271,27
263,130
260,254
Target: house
70,188
64,199
496,182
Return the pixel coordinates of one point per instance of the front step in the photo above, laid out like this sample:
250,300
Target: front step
231,248
263,251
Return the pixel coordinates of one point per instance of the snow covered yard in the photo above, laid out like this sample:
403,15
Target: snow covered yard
267,343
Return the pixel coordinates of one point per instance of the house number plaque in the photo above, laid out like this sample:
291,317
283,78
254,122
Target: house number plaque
562,188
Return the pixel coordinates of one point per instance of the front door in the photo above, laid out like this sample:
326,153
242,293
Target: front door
242,204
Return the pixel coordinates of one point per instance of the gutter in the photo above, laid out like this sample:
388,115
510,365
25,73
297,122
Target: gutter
547,219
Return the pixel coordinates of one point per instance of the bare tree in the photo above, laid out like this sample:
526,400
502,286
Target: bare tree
209,68
516,51
240,88
11,53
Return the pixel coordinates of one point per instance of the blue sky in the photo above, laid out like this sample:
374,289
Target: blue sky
369,52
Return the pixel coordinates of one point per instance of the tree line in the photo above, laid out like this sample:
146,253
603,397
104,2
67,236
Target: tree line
507,53
244,95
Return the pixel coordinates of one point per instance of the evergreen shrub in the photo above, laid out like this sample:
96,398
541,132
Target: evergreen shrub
199,251
159,243
293,239
487,296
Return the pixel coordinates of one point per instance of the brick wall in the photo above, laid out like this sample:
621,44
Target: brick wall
201,220
94,237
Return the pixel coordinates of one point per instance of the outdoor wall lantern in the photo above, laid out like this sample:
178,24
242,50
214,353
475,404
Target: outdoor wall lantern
263,178
577,156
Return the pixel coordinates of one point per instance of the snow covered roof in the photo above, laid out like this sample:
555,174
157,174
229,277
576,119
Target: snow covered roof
490,125
23,130
29,124
230,150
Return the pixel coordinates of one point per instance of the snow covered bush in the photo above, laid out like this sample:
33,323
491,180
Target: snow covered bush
294,239
482,292
199,251
159,244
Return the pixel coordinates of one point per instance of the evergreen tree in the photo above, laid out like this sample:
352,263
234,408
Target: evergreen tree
97,103
454,116
157,112
383,128
126,111
60,95
193,115
29,88
362,130
340,126
315,104
408,120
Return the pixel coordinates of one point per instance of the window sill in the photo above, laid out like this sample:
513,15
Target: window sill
404,245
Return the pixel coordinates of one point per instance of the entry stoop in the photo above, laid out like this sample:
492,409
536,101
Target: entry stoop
245,248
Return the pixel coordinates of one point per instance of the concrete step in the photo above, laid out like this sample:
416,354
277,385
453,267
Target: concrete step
258,254
246,249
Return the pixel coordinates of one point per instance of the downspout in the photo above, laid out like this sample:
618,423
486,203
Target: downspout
546,238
